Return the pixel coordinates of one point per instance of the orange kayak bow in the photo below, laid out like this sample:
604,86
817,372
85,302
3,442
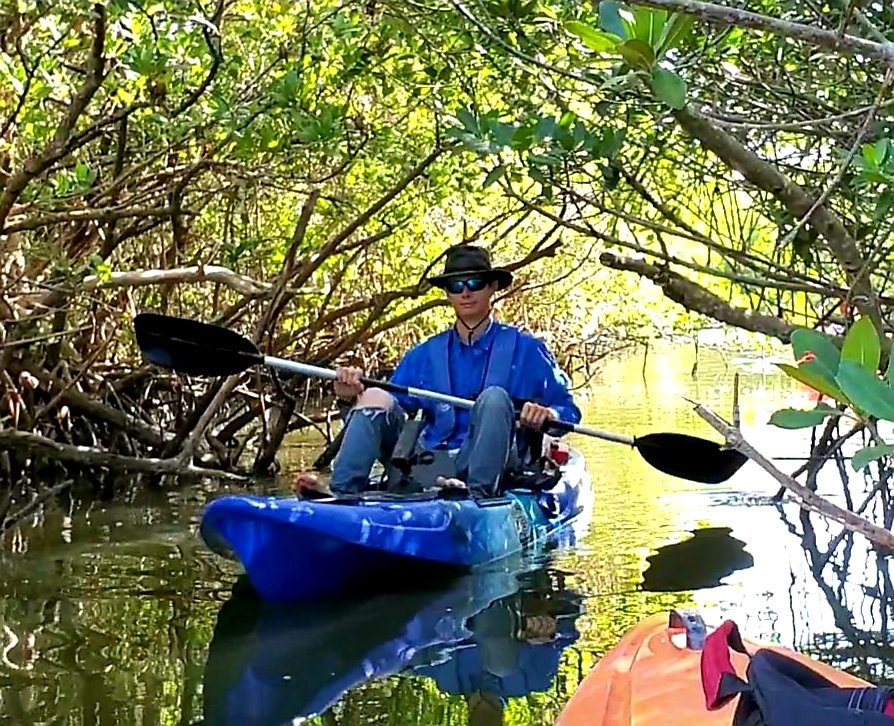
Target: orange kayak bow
651,678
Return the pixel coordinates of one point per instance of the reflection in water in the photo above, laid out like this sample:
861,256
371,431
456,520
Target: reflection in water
107,611
514,650
487,637
856,583
697,563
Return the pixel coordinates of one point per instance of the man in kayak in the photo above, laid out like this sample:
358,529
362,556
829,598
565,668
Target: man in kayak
477,358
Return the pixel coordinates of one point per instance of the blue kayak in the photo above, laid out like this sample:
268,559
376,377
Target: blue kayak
300,549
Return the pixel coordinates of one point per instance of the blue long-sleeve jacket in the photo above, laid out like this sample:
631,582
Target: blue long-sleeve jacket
504,356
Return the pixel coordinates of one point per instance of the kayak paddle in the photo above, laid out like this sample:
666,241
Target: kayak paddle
203,349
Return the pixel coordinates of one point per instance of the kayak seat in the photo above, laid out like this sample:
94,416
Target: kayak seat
411,470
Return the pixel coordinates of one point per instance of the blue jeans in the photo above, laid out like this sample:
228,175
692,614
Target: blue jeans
372,433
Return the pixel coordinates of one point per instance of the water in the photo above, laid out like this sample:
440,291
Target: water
116,613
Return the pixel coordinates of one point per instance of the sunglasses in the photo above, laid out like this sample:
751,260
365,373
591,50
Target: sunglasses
472,284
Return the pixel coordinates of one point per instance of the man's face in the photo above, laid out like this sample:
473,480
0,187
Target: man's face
470,295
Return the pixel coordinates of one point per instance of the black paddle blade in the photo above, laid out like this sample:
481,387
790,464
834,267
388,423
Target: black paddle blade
194,348
689,457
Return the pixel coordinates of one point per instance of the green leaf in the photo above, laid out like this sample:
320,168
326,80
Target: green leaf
861,345
503,134
84,174
595,40
883,205
538,176
869,152
810,376
566,120
467,119
889,373
628,20
648,24
675,32
566,140
793,418
545,128
493,175
612,141
610,18
867,455
881,151
523,138
805,340
865,390
669,88
290,84
545,159
638,54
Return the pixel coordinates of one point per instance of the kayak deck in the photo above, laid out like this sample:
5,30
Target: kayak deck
294,549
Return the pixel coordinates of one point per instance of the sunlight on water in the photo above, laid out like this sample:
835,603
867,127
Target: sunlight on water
117,613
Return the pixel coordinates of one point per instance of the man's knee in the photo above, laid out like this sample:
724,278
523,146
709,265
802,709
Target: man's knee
375,398
494,397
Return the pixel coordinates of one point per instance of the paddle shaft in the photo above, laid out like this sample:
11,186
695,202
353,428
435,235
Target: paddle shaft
309,370
202,349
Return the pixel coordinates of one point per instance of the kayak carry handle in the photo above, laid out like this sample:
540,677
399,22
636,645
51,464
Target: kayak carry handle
692,623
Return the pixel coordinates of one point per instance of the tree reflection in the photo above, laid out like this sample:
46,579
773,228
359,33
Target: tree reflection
842,566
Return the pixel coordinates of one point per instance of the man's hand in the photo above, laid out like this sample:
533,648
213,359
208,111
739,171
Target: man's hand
533,415
347,383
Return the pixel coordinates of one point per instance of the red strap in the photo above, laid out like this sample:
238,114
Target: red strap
889,709
718,674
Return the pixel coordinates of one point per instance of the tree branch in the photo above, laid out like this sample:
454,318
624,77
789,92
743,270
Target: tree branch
314,261
697,299
103,214
796,200
198,273
826,39
88,456
35,165
808,499
279,295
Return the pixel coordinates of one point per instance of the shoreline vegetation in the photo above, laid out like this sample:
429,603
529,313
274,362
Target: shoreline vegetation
294,172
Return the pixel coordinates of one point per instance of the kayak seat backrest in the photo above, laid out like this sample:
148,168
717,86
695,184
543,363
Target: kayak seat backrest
781,691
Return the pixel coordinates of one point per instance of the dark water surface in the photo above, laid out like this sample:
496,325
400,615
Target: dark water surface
116,614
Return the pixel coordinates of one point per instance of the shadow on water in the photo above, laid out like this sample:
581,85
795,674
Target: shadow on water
486,637
700,562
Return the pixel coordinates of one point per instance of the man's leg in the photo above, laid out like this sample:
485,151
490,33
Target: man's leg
372,428
490,444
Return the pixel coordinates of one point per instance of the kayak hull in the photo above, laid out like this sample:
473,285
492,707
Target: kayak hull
297,549
650,678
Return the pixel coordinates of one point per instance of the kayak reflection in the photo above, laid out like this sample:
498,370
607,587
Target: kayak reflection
489,636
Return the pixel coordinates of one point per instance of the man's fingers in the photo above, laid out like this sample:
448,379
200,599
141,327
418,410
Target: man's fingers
349,375
525,415
357,374
533,415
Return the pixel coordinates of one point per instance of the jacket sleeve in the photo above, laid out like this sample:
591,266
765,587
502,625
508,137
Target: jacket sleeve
408,373
555,384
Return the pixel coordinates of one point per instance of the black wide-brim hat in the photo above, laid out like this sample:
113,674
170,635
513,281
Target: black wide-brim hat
469,260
